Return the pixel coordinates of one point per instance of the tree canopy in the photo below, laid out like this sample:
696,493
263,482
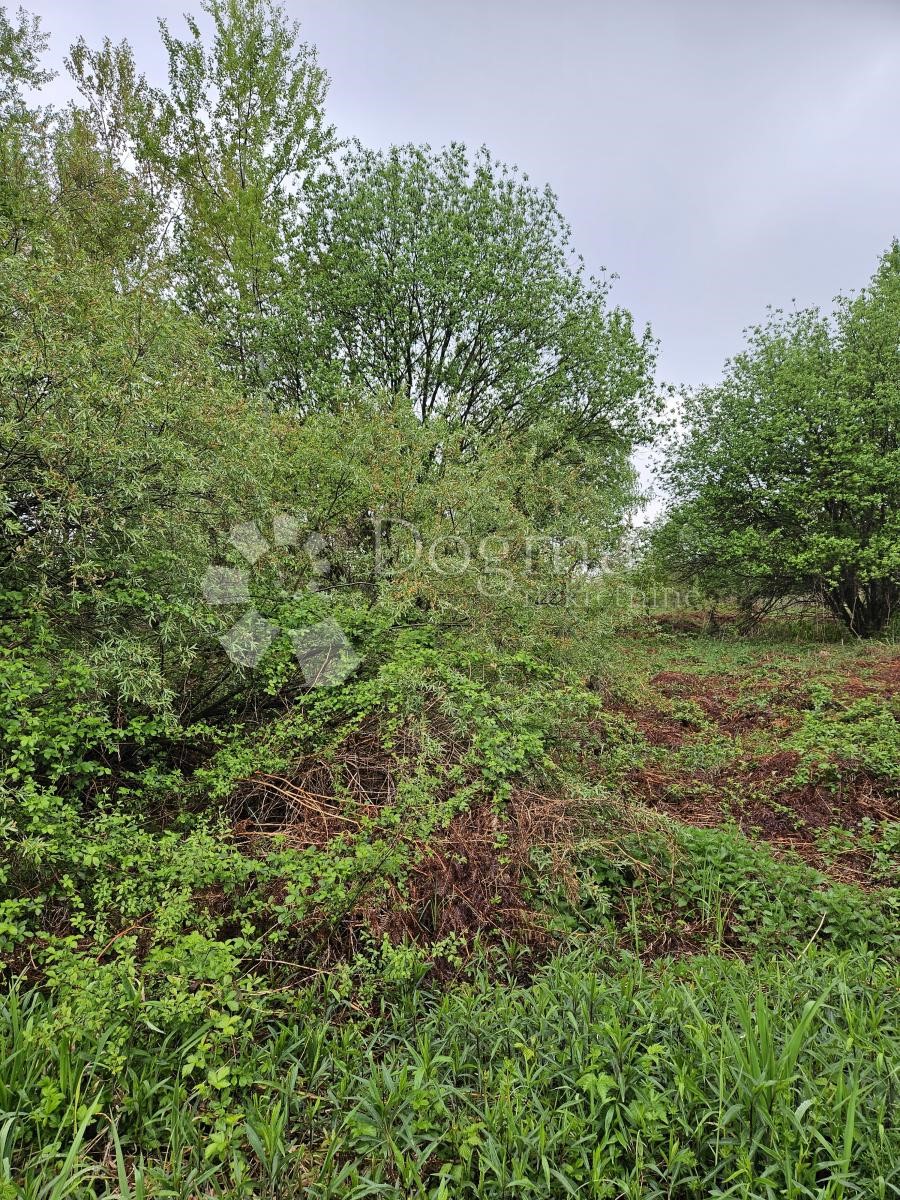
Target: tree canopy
450,280
204,324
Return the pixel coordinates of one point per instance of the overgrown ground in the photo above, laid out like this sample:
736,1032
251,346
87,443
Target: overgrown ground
795,744
677,977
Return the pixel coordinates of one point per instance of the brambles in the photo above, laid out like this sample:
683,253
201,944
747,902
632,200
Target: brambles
354,981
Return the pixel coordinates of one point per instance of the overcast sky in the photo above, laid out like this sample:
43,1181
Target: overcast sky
718,156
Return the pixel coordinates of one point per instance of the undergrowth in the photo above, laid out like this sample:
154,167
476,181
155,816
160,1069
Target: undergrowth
601,1077
418,938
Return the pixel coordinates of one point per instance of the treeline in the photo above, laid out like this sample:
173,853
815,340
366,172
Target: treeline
280,411
307,455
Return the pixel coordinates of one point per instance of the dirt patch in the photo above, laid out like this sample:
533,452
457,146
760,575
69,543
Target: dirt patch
879,678
679,684
764,800
660,724
882,679
656,728
718,697
685,715
817,805
888,676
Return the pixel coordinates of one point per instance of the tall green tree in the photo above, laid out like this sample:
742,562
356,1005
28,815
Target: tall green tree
450,281
787,477
238,133
23,129
117,206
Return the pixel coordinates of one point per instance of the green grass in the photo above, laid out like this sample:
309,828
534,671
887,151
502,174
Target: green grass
691,1080
602,1077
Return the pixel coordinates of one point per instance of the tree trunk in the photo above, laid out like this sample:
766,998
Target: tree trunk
866,608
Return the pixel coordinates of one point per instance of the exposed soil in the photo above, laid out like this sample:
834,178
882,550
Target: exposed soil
761,788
